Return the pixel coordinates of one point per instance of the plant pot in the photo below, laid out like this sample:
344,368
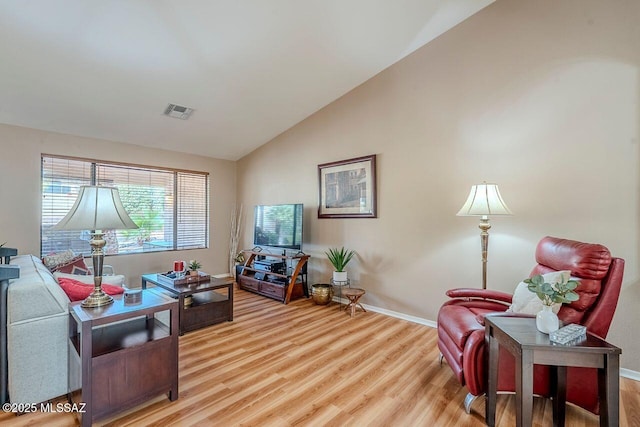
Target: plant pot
546,320
339,276
322,293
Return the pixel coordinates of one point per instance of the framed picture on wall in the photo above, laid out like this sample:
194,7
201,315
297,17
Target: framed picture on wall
348,188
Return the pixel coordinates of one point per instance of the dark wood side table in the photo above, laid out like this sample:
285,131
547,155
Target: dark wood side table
207,306
529,346
127,356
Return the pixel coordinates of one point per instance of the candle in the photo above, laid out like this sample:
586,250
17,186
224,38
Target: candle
178,266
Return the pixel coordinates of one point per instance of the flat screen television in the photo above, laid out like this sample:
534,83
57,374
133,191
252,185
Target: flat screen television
278,226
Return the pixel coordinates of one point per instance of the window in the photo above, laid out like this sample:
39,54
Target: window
170,207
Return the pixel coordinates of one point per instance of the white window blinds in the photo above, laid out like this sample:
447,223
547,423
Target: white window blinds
170,207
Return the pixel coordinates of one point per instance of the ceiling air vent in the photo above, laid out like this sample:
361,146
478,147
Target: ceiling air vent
178,111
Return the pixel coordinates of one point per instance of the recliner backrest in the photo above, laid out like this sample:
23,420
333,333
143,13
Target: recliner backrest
599,274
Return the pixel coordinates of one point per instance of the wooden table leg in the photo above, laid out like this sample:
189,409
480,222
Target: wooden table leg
230,297
174,323
609,391
353,297
524,388
86,354
490,402
558,393
181,312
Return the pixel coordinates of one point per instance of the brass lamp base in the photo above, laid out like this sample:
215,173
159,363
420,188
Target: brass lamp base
97,298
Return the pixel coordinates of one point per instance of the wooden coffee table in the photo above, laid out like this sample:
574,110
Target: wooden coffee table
208,306
529,346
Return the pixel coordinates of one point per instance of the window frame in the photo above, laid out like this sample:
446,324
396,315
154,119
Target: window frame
95,164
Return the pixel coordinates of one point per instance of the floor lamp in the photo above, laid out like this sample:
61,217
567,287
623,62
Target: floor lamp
484,200
97,209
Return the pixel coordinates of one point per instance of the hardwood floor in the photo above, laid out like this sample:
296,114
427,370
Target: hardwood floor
308,365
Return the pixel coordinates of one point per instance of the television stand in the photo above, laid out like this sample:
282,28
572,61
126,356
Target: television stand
269,278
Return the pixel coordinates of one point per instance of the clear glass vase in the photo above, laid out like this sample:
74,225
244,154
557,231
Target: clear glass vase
546,320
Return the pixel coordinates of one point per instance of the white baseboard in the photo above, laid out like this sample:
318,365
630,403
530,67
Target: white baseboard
391,313
626,373
222,275
402,316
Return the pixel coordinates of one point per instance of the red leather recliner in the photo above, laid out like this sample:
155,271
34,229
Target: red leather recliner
461,320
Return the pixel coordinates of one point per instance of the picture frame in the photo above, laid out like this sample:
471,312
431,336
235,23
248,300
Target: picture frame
347,188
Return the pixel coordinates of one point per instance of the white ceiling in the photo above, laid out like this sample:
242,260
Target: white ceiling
251,69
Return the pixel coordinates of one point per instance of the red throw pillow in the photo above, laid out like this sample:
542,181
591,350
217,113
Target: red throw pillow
74,266
78,291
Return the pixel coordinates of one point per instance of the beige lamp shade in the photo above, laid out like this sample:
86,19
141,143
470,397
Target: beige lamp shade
484,199
97,208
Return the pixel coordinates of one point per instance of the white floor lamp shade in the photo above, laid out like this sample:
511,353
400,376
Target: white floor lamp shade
484,200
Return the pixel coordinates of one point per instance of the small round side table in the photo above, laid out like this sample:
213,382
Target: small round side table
354,294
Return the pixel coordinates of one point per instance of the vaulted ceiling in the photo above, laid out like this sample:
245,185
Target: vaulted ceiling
250,69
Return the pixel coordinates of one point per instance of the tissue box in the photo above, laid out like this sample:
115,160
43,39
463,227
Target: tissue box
132,296
569,334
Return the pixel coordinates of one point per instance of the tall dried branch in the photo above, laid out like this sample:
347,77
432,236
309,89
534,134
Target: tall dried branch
234,237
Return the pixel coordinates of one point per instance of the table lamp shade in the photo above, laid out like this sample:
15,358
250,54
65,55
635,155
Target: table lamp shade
484,199
97,208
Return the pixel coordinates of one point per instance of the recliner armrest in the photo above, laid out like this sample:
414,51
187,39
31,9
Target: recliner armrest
488,294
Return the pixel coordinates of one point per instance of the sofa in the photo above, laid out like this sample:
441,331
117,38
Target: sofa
37,333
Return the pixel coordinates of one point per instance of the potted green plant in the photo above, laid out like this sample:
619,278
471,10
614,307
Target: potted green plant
559,292
339,258
194,265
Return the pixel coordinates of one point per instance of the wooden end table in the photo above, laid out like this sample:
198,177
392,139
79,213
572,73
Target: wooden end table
127,356
354,295
208,307
529,346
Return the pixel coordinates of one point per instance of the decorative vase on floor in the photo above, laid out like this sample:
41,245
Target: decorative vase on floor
322,294
546,320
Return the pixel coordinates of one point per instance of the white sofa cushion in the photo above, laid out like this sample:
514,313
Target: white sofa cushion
35,294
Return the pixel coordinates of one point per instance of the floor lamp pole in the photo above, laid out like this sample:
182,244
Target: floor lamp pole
484,200
484,241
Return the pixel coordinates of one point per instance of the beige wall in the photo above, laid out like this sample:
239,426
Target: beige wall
540,97
20,194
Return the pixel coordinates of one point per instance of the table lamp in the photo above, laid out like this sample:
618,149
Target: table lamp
97,209
484,200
